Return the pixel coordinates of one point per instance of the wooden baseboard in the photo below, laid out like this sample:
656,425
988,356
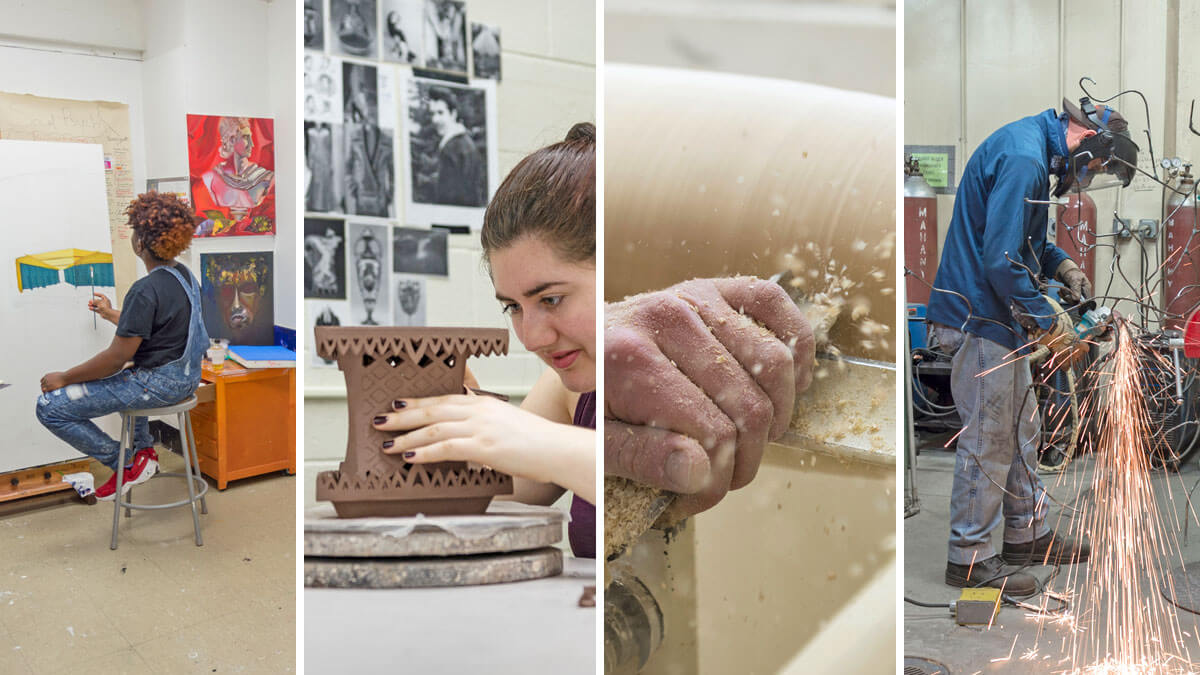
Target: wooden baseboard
38,480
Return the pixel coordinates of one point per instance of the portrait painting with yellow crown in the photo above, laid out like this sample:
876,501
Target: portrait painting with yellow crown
237,296
231,168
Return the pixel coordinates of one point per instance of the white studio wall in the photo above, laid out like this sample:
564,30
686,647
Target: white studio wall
185,73
56,330
973,67
103,26
546,84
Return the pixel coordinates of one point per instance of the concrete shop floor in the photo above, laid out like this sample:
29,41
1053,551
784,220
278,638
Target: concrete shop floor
931,633
159,603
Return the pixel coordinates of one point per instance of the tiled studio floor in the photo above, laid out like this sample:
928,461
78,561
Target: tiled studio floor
158,604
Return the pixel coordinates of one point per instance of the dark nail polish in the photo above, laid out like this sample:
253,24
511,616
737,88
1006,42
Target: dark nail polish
398,404
409,455
388,444
380,420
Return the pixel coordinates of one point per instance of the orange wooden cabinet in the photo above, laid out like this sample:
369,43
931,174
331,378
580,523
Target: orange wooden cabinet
249,426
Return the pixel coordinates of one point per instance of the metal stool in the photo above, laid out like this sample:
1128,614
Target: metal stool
197,486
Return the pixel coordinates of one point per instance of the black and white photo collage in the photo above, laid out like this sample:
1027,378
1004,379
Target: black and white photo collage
401,150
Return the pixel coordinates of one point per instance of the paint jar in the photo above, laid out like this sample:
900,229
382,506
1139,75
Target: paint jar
217,356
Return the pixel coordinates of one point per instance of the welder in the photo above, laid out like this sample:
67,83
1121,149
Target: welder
986,307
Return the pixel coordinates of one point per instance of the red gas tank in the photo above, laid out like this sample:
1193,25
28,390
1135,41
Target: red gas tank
1075,233
920,233
1181,266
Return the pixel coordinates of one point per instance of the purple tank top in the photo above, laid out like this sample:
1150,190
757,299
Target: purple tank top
582,530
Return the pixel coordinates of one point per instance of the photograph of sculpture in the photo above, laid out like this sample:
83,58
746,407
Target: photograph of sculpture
322,89
360,93
401,30
326,313
368,172
320,192
485,51
420,251
449,145
445,40
369,301
237,296
352,23
231,167
410,301
324,258
314,24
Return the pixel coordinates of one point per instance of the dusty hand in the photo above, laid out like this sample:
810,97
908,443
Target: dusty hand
695,387
53,381
479,429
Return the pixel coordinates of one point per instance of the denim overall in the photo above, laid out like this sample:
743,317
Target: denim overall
68,412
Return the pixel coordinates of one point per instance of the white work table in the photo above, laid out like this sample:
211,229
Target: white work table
525,627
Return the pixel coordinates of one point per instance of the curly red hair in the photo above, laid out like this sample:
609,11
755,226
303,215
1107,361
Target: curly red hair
163,222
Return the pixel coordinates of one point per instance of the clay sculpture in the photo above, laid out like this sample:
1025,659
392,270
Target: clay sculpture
383,364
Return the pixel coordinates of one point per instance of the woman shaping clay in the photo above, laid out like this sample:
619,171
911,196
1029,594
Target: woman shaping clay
539,243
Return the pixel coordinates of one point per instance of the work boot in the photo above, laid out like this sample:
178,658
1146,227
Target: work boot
1062,551
991,573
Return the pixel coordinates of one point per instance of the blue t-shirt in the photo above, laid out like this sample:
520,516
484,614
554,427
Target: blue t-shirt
996,242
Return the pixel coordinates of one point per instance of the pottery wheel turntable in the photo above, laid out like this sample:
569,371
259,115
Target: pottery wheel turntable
510,542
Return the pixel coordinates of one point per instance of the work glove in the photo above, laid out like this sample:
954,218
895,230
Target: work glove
1076,286
1061,339
1027,322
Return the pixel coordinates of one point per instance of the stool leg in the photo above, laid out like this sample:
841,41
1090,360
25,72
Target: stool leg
187,464
129,495
126,431
191,437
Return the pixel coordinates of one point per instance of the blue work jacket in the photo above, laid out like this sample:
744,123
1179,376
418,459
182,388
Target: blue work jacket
992,223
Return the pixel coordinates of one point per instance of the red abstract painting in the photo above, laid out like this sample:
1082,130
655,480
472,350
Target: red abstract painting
231,167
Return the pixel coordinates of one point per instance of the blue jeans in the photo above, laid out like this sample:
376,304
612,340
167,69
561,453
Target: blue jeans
1001,427
68,412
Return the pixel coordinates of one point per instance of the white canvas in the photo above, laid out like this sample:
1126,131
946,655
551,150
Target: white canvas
53,197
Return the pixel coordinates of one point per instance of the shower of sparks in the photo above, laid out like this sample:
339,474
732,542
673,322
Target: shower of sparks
1131,545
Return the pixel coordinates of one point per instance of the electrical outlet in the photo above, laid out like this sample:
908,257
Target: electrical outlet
1121,227
1147,228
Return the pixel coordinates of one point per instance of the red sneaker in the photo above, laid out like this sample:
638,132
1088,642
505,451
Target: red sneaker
142,469
106,492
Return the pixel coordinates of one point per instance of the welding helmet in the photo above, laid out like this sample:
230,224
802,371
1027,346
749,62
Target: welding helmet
1107,159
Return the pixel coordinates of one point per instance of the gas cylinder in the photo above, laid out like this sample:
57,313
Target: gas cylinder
920,233
1181,268
1075,233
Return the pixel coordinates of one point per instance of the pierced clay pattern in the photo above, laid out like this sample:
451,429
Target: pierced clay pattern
381,365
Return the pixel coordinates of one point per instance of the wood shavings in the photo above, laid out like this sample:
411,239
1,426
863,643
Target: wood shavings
627,513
